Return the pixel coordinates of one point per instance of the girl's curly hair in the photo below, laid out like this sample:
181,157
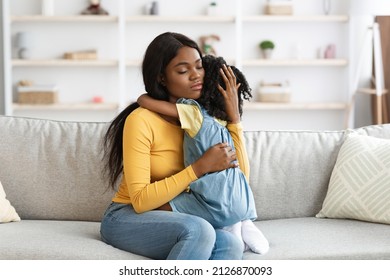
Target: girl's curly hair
211,99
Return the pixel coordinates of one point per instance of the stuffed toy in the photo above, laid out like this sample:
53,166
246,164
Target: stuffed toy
94,9
207,44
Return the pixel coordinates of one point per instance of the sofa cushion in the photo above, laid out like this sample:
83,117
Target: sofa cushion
52,169
299,238
7,211
56,240
313,238
290,170
359,187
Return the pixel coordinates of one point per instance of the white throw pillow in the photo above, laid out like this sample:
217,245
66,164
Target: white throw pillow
359,186
7,211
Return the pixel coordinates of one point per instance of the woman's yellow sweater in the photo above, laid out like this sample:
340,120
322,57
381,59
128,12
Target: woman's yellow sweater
153,168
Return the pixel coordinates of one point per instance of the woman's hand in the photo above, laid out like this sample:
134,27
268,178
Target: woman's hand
230,94
217,158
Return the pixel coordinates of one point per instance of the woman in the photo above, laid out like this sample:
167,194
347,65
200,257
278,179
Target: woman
150,147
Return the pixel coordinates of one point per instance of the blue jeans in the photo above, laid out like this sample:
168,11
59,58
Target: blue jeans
167,235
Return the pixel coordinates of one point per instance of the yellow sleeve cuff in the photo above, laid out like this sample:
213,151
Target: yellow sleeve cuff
190,118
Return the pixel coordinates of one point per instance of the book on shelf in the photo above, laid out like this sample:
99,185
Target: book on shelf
81,55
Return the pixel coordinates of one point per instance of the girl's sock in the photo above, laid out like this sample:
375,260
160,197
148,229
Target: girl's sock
254,238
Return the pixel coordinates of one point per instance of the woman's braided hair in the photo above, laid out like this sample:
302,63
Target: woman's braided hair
211,99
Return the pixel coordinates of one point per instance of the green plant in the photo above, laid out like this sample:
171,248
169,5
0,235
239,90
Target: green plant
267,44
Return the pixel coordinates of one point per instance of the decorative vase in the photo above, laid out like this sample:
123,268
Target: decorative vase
296,51
23,45
326,5
47,7
148,8
154,9
330,51
212,9
266,53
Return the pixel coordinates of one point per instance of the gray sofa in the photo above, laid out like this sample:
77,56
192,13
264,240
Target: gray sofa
51,173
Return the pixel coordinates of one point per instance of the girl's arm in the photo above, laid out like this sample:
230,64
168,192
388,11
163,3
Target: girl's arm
158,106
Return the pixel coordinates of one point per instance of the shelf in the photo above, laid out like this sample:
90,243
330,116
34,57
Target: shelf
138,62
63,62
210,19
296,18
247,106
66,106
205,18
134,62
294,106
247,62
75,18
295,62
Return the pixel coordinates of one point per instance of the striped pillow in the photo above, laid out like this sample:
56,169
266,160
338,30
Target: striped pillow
359,186
7,211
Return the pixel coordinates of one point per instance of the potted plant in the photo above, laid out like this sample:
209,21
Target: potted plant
266,48
212,9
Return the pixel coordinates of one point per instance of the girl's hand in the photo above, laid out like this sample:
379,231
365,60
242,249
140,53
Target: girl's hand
143,100
230,94
217,158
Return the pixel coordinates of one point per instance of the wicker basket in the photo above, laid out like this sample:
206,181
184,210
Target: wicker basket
35,97
274,97
279,8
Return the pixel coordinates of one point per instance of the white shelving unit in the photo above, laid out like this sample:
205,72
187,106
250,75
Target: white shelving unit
75,103
319,87
295,62
73,18
294,106
296,18
69,106
63,62
127,32
181,19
